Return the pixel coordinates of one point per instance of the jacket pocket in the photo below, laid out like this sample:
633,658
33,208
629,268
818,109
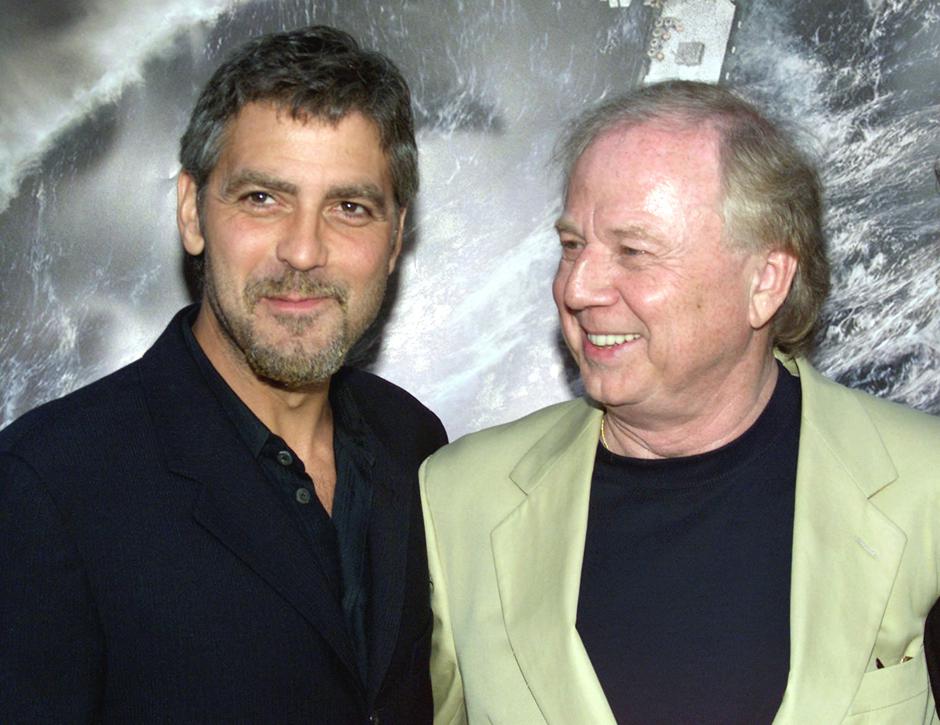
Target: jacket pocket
894,694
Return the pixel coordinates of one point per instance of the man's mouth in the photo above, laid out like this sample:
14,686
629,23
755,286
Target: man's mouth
297,298
294,292
611,340
286,303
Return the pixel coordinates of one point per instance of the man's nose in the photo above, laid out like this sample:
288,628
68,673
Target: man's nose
304,242
590,280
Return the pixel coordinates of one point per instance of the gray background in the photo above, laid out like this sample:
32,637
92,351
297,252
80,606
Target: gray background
94,96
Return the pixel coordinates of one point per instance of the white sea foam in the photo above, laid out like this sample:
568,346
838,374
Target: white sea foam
53,80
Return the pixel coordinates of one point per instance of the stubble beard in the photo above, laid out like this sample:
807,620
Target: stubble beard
292,365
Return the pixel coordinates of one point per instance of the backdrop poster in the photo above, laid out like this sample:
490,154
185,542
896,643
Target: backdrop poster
95,94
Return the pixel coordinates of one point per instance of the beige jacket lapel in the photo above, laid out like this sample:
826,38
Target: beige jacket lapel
845,557
538,550
845,553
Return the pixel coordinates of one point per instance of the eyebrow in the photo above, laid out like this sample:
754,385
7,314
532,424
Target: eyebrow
563,225
367,191
253,177
627,233
630,232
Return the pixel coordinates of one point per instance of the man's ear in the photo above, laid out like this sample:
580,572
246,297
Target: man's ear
187,214
770,285
397,240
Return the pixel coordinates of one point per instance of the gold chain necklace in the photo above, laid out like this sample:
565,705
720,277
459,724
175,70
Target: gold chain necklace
603,437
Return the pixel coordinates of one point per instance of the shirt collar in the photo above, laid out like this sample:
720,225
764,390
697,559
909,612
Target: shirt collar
250,428
349,427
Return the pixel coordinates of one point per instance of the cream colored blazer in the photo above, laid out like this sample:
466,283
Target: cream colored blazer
506,515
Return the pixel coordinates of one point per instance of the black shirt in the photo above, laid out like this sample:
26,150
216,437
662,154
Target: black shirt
685,586
337,544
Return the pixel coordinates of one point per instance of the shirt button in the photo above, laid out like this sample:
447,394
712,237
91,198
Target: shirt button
374,719
302,495
284,458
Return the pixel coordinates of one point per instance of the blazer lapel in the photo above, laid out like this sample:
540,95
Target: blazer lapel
538,550
236,503
388,535
237,508
845,554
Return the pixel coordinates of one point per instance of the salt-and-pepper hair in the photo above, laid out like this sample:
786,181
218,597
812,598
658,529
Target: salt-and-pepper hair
313,72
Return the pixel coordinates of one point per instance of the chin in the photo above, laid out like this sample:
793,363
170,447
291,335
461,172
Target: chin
609,398
595,391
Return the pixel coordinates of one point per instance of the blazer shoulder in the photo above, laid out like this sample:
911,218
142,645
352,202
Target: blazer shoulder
900,427
101,409
899,423
68,423
496,450
912,440
394,414
473,483
879,442
382,392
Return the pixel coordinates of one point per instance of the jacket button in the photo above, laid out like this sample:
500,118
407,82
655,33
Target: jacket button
374,719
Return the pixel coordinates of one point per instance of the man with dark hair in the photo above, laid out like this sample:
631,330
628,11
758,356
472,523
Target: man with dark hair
228,530
718,534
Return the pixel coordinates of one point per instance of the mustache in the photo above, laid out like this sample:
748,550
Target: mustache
294,282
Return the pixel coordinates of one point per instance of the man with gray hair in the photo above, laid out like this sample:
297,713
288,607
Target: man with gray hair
716,533
228,530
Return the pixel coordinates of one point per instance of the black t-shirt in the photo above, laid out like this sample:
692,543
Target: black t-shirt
685,588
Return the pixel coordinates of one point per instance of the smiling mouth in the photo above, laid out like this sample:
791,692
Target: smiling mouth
610,340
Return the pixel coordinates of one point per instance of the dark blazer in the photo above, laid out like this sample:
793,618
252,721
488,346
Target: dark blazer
932,650
150,573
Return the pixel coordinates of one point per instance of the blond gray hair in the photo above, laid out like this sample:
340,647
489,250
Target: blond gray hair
772,193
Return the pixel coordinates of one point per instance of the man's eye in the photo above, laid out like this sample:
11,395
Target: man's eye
570,248
259,198
352,208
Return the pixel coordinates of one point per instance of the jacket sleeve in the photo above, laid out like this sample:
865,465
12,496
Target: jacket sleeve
51,644
446,683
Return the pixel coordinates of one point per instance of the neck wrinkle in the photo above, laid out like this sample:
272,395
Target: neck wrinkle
693,436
